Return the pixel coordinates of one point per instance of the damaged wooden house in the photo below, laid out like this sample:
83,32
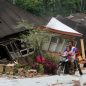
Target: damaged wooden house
63,33
77,22
10,15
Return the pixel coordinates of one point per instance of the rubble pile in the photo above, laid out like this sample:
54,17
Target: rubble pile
10,69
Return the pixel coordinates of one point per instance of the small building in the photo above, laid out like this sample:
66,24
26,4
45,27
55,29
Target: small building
77,22
63,33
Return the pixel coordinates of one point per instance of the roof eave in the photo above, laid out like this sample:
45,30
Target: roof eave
60,32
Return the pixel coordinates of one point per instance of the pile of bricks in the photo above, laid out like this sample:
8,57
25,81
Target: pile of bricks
7,69
28,73
31,73
10,69
2,67
21,72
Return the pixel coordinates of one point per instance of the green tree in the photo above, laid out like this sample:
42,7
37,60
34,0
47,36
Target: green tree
35,37
34,6
53,7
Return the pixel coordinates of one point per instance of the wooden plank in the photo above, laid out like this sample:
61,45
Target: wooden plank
82,48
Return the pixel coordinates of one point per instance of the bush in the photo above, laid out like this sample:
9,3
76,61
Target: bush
18,65
51,58
27,67
38,67
50,67
40,59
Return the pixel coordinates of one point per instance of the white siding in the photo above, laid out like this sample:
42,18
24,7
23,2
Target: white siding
55,45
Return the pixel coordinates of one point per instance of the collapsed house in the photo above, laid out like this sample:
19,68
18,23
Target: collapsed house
10,15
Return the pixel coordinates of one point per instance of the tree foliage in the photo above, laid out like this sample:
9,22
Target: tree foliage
52,7
35,37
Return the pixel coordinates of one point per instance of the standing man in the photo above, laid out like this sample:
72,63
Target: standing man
74,56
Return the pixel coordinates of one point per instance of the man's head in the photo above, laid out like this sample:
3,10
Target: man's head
71,43
68,48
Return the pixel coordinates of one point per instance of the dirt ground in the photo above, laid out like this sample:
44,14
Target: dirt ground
45,80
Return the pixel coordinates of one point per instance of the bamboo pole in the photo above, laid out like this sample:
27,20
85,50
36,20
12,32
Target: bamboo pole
82,48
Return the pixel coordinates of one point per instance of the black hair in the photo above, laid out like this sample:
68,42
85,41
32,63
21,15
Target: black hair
73,42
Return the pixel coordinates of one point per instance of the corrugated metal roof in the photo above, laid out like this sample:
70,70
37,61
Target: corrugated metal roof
57,25
78,17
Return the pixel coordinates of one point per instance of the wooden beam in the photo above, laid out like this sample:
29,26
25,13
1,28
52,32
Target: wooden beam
82,48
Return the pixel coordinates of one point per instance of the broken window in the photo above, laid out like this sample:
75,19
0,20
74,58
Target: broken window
20,45
23,52
14,46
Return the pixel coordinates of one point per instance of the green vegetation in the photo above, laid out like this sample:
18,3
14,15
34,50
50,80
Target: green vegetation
52,7
18,65
40,68
52,58
35,38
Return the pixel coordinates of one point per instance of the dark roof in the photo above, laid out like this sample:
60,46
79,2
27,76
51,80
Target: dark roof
66,21
78,17
76,22
80,20
80,27
10,15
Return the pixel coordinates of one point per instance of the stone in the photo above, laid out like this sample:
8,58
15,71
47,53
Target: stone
31,73
84,84
76,83
21,72
10,69
2,68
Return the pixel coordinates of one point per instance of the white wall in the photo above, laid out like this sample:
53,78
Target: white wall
55,45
